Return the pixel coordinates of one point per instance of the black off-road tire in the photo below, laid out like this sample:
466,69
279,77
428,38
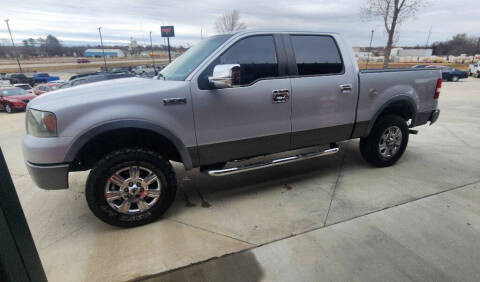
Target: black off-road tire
369,146
109,164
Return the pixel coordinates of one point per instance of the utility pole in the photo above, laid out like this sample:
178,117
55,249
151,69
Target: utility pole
103,50
14,48
151,54
370,48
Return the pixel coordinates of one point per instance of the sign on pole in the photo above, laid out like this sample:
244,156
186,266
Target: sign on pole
168,31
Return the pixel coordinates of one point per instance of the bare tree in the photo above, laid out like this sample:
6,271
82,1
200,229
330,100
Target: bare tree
229,22
393,13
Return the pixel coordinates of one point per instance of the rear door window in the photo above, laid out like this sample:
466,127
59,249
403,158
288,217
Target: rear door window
316,55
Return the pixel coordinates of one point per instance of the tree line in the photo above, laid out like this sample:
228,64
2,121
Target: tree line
50,46
459,44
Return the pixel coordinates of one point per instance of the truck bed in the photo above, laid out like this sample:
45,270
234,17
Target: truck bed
378,86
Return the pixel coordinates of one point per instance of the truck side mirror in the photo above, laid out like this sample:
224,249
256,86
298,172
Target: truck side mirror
225,76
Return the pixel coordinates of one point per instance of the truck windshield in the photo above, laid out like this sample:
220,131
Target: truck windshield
181,67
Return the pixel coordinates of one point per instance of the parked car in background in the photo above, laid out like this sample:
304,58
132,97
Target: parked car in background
139,69
4,83
231,97
19,78
121,70
82,75
83,61
14,99
44,77
24,86
474,69
142,70
98,77
420,66
451,74
46,87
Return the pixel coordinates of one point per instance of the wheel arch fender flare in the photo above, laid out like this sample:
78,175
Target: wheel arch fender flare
82,140
408,100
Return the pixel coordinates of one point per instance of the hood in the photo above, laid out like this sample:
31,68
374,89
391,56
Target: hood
97,93
28,96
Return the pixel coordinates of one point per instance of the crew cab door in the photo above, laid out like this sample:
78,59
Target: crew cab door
248,119
324,90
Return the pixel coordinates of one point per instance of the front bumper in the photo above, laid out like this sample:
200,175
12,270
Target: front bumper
434,116
49,177
19,106
45,160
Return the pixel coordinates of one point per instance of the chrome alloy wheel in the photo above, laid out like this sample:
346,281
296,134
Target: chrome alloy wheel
390,141
133,189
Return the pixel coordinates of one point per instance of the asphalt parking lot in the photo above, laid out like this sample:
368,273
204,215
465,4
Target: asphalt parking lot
330,218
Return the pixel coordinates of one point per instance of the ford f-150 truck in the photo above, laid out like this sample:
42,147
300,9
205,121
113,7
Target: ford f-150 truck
227,100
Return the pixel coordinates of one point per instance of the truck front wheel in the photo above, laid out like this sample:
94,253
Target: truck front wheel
131,187
387,141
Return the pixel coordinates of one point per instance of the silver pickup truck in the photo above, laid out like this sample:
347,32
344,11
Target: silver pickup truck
230,97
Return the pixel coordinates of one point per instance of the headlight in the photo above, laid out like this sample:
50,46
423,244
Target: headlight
41,124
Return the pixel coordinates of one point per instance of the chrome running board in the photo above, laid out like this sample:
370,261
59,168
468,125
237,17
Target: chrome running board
238,169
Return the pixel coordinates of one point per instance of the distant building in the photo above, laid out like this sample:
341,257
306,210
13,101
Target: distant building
108,53
414,52
395,52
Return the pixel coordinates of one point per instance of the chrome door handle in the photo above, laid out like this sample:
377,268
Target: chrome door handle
346,88
280,96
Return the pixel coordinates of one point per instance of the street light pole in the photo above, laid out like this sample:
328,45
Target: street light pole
151,54
14,48
370,48
103,50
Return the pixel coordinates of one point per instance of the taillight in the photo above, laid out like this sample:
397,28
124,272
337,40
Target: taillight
437,89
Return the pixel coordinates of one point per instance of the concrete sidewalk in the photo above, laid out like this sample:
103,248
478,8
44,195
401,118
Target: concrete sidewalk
435,238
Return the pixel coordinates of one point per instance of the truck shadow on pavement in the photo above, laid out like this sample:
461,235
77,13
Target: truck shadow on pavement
193,184
242,266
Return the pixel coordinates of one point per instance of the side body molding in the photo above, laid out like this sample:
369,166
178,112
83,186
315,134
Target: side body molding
130,123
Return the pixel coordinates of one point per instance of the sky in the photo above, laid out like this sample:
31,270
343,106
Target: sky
76,22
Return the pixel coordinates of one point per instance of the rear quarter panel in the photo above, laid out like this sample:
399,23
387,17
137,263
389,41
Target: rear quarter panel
378,88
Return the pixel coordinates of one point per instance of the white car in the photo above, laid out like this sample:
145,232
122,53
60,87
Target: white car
142,70
24,86
4,83
474,69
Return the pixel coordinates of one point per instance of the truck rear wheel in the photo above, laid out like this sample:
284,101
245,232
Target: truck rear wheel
131,187
387,141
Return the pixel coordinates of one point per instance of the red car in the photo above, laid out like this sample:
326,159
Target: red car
46,87
83,61
13,99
